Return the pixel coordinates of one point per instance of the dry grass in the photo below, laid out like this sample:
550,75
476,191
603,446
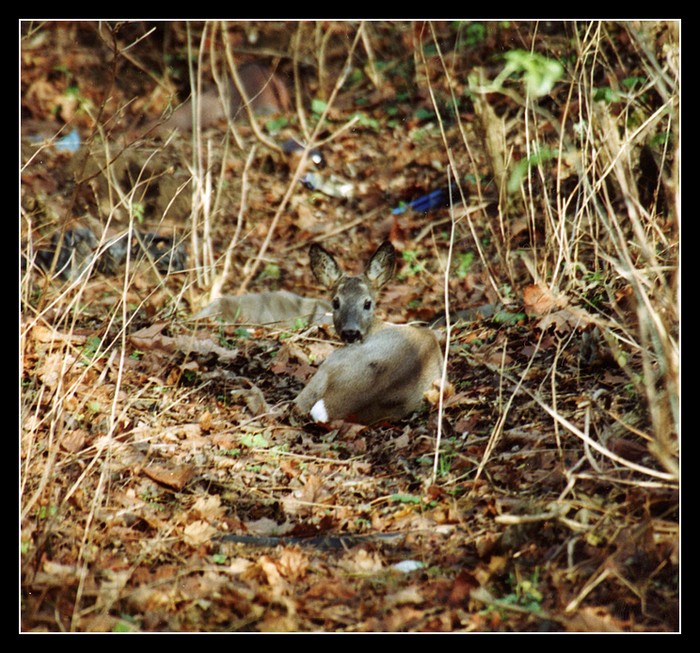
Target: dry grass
584,241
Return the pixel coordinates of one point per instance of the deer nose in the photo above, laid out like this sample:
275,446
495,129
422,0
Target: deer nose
351,335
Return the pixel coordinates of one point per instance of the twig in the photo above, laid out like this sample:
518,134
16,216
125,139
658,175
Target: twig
373,74
219,281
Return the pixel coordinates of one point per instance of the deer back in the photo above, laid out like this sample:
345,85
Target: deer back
277,308
385,370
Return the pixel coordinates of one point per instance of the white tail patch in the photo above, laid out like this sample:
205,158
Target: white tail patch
319,413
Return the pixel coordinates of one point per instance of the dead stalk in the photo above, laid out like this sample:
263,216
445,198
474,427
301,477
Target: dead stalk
219,281
452,176
625,246
298,95
574,430
448,334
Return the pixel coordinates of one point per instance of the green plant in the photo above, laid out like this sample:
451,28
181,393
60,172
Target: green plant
609,95
405,498
525,593
276,125
447,456
539,73
121,627
423,114
413,265
520,169
473,35
190,376
363,120
255,441
464,264
317,107
507,317
234,453
139,211
271,271
46,511
90,348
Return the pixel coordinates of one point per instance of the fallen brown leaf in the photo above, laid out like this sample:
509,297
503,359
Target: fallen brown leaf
53,367
209,507
592,620
538,300
175,477
198,533
74,441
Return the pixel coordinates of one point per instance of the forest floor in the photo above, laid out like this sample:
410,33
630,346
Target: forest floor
165,484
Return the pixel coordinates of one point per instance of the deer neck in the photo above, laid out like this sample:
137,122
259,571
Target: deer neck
378,325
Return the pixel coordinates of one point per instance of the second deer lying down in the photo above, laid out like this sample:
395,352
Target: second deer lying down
266,92
384,370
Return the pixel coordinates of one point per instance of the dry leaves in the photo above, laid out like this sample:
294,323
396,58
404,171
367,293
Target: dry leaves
152,338
554,311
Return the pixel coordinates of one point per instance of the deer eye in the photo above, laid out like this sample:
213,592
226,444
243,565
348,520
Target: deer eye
368,304
335,303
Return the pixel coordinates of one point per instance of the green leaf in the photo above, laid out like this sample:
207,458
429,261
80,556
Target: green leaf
271,271
423,114
275,125
464,264
605,94
474,34
505,317
631,82
405,498
318,106
255,441
363,120
121,627
139,211
540,73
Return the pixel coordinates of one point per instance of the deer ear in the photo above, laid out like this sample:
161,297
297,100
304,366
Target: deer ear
323,266
380,268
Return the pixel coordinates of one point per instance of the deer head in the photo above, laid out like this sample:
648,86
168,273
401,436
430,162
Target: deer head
354,297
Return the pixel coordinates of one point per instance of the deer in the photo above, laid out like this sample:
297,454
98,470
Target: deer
384,370
266,92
